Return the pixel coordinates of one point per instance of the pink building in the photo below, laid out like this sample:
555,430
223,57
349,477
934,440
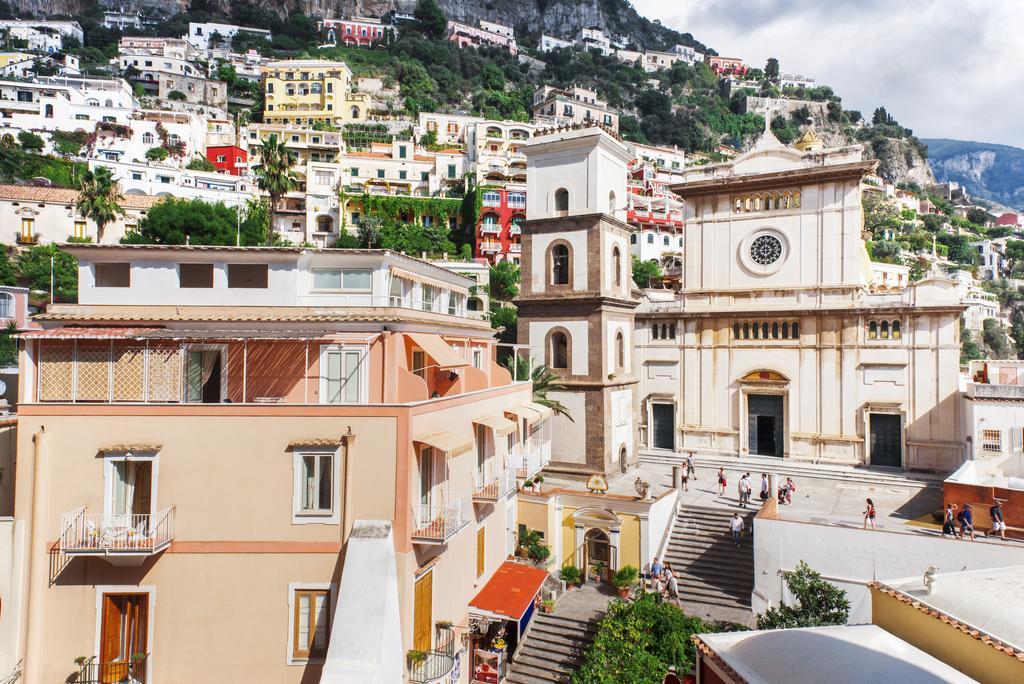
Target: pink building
354,31
727,65
465,35
14,308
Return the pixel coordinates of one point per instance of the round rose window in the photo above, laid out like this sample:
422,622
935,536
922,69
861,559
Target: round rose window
765,250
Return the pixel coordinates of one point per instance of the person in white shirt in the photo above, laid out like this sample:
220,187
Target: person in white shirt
736,525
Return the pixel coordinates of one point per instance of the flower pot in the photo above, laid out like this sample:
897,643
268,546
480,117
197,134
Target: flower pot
624,592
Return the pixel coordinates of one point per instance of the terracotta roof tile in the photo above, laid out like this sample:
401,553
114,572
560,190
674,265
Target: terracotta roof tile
31,193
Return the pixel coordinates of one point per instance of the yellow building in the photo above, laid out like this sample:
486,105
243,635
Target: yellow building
969,620
303,92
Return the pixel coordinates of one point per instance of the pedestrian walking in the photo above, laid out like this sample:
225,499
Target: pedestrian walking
721,482
684,475
790,488
949,521
748,488
764,487
966,518
736,526
693,468
741,491
671,583
998,524
869,515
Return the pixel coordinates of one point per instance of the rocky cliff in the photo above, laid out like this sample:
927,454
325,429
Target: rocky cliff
994,172
899,161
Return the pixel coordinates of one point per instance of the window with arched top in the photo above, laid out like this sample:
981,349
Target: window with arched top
632,239
355,112
558,356
735,331
654,331
896,330
883,330
775,331
764,331
665,241
560,265
650,238
561,200
6,305
785,330
620,351
746,331
48,111
672,331
796,330
617,265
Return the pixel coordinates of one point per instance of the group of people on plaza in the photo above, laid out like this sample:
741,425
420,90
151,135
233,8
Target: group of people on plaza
963,519
745,487
662,579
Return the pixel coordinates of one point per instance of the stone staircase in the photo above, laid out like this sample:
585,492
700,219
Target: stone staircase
708,464
552,649
711,569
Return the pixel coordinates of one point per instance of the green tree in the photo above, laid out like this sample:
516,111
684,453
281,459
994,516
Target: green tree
274,173
198,163
969,349
38,263
771,70
175,221
369,231
99,198
643,271
544,383
30,141
504,319
177,96
994,336
978,216
431,20
960,250
157,154
8,273
886,252
637,642
504,281
816,602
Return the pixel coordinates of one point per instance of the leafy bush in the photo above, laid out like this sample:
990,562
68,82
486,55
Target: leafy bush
177,96
643,271
30,141
625,577
157,154
34,267
200,164
638,642
816,603
572,575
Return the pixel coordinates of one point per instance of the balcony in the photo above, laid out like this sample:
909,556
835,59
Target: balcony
437,663
490,247
130,672
515,248
437,523
490,229
493,487
514,229
124,539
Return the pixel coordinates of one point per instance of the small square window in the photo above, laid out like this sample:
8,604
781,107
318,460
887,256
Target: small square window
248,276
195,275
113,275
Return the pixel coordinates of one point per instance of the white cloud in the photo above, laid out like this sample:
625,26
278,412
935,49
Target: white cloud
945,69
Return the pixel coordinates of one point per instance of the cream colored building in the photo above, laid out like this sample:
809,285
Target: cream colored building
308,91
202,433
774,344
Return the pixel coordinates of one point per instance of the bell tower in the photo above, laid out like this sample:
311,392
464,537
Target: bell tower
576,305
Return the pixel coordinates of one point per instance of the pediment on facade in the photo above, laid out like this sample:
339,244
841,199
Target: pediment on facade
594,516
764,376
768,160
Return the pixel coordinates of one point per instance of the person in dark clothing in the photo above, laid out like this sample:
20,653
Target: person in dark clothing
966,518
998,523
949,521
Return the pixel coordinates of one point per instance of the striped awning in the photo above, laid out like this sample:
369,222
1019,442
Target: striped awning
501,426
524,413
544,411
448,442
438,350
426,280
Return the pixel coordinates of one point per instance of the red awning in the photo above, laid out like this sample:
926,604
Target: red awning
511,591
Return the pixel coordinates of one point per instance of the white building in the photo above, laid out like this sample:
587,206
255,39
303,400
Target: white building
575,105
31,216
121,20
796,81
43,36
889,277
549,43
151,56
162,180
656,61
991,258
688,54
500,29
594,38
994,414
200,34
738,370
451,129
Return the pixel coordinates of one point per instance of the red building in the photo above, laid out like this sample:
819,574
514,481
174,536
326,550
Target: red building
498,236
727,66
227,158
354,31
1009,219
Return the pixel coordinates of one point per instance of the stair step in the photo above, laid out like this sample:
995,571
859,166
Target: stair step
544,660
568,649
546,631
526,674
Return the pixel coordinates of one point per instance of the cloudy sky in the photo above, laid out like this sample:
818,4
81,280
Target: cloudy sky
944,68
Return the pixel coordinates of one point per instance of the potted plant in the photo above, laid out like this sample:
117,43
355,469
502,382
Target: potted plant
415,656
528,484
597,571
624,579
444,624
547,606
80,660
572,576
538,481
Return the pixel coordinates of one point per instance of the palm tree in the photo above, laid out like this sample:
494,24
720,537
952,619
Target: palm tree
274,174
99,198
543,379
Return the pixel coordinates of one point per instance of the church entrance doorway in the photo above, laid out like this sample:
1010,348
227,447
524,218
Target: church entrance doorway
765,430
663,418
886,441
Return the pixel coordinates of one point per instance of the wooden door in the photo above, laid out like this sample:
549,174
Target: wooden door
480,547
423,605
124,632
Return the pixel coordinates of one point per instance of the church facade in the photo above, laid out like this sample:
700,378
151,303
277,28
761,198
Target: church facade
773,343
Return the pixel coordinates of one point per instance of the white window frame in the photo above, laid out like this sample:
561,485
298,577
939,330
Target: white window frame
223,349
7,305
305,517
477,358
364,375
341,284
332,599
109,457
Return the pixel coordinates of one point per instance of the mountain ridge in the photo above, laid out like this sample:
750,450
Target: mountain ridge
989,170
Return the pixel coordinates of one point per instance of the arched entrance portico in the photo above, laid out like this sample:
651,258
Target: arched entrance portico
764,413
597,538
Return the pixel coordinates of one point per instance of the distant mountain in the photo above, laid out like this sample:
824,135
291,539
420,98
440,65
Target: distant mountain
995,172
